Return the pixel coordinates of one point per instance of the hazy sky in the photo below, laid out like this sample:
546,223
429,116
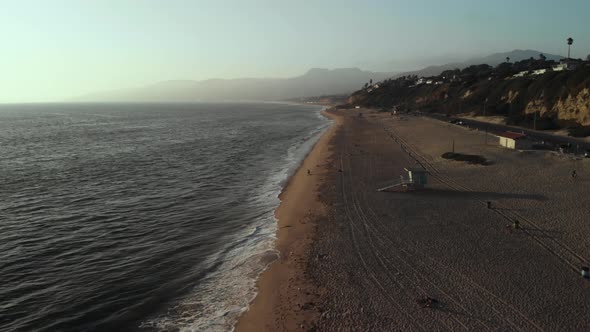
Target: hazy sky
53,50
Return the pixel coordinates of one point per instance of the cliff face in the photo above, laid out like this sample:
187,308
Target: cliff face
559,99
573,108
576,108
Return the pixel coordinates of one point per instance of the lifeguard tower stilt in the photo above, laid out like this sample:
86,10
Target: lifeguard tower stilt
417,179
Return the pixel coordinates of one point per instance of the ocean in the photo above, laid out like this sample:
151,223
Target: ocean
148,217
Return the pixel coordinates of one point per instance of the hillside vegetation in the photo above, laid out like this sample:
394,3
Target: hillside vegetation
546,99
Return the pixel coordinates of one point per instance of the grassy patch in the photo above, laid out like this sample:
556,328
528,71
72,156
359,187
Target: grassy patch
468,158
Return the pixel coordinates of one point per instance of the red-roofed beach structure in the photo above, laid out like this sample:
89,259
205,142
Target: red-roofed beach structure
513,140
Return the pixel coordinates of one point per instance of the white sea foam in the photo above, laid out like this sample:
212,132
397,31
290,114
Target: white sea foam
218,301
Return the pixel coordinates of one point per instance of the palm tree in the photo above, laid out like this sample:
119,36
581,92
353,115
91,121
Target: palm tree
570,41
507,59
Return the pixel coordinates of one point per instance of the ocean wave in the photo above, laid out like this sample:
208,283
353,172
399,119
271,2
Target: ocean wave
219,300
166,226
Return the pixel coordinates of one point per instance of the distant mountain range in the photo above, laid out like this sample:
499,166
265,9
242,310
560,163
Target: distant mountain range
316,82
313,83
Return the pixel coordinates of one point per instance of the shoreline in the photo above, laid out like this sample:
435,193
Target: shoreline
357,259
283,286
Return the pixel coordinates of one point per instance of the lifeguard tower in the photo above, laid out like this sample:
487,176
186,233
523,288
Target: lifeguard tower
417,179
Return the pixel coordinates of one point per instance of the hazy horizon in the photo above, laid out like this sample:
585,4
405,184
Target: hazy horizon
55,50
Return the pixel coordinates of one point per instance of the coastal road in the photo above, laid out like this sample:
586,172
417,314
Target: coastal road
578,146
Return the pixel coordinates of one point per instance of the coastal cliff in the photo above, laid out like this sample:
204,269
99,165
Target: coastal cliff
527,93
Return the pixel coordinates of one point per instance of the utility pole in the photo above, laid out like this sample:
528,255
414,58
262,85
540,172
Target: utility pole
485,102
453,145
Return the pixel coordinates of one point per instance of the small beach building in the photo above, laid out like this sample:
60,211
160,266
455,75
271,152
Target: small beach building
512,140
417,176
417,179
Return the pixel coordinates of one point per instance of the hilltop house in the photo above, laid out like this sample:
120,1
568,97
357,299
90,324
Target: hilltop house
521,74
525,73
565,64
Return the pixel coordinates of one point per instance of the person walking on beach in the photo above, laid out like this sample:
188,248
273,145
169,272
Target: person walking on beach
308,172
574,174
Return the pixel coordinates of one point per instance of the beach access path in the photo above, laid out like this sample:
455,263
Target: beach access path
374,260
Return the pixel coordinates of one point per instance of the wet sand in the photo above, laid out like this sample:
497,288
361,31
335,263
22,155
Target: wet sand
287,297
367,260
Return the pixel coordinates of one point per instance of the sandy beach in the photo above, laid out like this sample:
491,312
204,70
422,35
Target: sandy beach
287,297
353,258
